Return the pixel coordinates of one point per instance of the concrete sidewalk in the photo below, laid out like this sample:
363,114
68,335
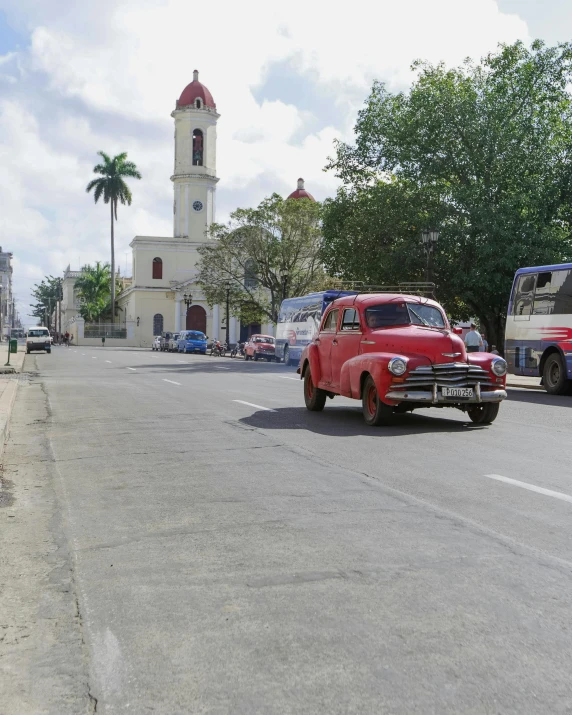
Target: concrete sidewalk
9,378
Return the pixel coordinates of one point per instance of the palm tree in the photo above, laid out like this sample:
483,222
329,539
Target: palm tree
94,288
112,187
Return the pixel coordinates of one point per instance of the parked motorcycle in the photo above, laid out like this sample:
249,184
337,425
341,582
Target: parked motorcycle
219,349
238,350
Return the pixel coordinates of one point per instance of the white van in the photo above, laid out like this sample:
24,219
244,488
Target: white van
38,339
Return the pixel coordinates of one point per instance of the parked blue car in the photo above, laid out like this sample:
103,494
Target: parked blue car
192,341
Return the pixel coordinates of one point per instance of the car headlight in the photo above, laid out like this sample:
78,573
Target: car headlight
398,366
498,366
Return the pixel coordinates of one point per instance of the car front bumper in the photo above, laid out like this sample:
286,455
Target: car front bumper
435,397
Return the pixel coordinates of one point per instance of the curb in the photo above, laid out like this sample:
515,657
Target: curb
7,400
526,387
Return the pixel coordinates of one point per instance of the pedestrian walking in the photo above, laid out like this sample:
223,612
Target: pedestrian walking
473,340
485,346
67,339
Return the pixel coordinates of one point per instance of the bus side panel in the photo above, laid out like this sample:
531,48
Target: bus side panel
527,341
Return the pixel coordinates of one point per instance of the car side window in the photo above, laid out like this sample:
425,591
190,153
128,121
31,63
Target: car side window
350,320
331,320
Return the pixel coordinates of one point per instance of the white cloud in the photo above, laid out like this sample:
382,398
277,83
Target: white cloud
107,75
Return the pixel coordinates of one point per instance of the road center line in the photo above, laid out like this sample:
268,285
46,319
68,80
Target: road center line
108,361
171,381
183,361
221,367
287,377
258,407
132,368
531,487
93,357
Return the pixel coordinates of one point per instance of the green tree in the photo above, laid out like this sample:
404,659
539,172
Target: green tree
483,152
112,187
46,294
94,291
262,256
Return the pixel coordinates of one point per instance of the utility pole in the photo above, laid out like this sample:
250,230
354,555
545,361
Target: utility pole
227,314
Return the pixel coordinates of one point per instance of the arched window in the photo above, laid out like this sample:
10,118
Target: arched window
250,277
157,324
198,147
157,268
198,104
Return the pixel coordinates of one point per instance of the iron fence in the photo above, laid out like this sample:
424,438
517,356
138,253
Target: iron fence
104,330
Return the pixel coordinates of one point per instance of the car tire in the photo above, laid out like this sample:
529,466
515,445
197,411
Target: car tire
484,414
255,357
314,397
27,352
375,412
554,376
286,355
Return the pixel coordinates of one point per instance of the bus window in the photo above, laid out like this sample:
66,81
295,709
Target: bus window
562,287
543,295
524,295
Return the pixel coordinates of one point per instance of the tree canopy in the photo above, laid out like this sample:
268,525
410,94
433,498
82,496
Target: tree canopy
262,256
482,152
94,292
46,294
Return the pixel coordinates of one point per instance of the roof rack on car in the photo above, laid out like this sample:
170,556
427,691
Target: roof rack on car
423,288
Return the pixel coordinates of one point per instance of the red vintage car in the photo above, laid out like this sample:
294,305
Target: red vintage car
260,347
397,353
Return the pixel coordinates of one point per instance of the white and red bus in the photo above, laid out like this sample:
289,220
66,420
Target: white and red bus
538,337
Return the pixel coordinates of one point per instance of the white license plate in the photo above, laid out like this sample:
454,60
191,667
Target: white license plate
462,392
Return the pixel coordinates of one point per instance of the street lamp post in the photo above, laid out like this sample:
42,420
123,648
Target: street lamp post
284,274
188,301
227,327
429,240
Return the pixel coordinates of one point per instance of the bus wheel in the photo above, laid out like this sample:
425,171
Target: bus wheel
554,376
286,355
484,414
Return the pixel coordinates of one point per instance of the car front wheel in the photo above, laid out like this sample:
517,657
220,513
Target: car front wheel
314,397
484,414
375,412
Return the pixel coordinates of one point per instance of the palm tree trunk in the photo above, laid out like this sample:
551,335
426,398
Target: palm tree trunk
112,268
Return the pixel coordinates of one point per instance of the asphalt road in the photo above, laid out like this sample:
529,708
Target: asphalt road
231,552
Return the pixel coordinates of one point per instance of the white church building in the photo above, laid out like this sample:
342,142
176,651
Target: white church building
164,267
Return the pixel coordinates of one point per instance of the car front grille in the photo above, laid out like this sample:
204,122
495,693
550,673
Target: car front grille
450,374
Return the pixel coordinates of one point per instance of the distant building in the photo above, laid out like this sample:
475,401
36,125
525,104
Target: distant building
7,311
165,267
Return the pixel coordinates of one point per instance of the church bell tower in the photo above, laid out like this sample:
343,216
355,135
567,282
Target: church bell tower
194,179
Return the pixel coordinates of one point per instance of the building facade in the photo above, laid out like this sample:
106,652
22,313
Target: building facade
7,307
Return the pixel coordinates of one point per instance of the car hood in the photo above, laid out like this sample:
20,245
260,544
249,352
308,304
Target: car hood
437,345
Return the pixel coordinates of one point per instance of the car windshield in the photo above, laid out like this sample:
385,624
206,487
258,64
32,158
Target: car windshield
388,314
264,340
37,333
196,336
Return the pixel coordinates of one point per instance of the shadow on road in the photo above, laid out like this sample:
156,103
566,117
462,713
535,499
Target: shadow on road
348,422
217,365
536,397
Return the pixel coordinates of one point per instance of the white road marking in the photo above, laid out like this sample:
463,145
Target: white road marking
183,361
531,487
108,361
221,367
93,357
132,368
83,353
171,381
286,377
258,407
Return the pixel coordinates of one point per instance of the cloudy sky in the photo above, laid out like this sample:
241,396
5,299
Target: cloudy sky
288,78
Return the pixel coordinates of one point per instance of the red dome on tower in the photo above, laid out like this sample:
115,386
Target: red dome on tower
196,91
301,192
